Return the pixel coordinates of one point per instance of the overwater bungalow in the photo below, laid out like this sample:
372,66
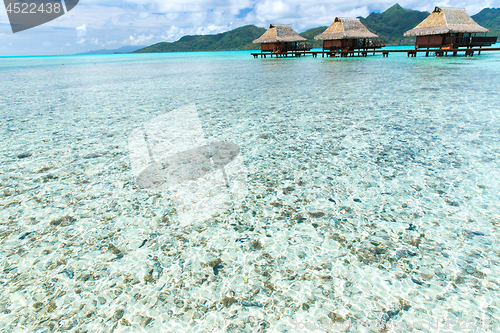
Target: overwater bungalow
281,38
348,35
449,28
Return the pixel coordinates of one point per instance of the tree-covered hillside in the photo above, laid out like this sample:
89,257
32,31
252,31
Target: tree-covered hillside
237,39
393,23
490,19
309,34
389,25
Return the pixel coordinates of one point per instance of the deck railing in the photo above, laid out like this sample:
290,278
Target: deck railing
368,44
476,41
302,47
362,44
376,44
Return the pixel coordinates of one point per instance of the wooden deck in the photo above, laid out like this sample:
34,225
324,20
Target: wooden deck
385,53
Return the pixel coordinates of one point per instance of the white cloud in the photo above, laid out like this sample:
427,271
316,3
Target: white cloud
211,29
143,15
140,40
81,30
143,22
274,9
171,34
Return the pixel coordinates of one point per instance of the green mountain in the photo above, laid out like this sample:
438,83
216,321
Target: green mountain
389,25
490,19
393,23
237,39
123,49
309,34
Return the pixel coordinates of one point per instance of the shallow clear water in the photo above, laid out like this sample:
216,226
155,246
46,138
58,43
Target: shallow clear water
373,195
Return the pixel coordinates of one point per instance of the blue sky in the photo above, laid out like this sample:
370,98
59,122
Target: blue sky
110,24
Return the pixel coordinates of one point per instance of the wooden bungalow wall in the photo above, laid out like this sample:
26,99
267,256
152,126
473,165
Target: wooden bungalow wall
332,44
430,41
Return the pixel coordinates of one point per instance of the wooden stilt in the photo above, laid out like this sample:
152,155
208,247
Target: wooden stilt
469,52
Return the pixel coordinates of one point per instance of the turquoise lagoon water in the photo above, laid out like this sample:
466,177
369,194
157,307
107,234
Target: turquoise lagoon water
372,195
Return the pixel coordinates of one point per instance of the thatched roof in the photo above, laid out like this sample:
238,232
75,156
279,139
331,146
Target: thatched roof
345,28
446,20
279,33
